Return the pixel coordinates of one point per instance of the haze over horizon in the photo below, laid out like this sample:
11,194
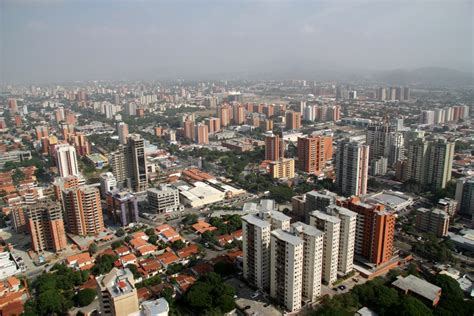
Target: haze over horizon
56,40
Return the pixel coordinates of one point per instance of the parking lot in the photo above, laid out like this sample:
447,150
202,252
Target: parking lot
252,302
343,287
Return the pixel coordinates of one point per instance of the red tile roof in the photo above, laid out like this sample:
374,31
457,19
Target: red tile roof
168,258
188,251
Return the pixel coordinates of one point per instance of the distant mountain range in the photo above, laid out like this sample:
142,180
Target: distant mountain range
425,76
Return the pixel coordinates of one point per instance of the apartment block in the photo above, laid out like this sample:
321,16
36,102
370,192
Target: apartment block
256,230
83,210
375,230
313,153
318,201
122,207
312,259
46,227
286,269
117,293
346,238
283,168
273,147
66,160
352,164
331,227
434,221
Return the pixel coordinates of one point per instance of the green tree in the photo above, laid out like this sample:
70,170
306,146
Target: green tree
133,268
224,268
116,244
179,244
103,264
18,176
150,231
208,236
84,297
210,295
411,306
190,219
93,248
281,193
120,232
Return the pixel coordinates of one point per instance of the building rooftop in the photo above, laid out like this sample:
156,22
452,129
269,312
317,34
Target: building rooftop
156,307
365,311
391,199
255,220
342,210
117,281
306,229
325,217
287,237
418,286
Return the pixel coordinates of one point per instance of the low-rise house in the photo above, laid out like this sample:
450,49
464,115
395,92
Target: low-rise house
128,259
168,258
183,282
168,234
146,250
82,261
137,243
202,268
141,235
187,252
201,227
122,251
13,293
150,266
419,288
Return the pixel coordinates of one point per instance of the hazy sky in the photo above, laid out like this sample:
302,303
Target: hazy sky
54,40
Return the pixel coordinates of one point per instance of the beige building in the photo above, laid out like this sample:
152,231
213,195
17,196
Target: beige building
284,168
435,221
117,293
286,269
429,162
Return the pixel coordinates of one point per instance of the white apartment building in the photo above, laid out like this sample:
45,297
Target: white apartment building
331,226
352,164
107,183
312,259
66,160
286,269
346,238
256,230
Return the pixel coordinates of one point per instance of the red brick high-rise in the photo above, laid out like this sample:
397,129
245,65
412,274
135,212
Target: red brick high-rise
189,129
274,148
239,114
46,227
214,124
83,210
202,134
293,120
224,113
375,230
313,152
